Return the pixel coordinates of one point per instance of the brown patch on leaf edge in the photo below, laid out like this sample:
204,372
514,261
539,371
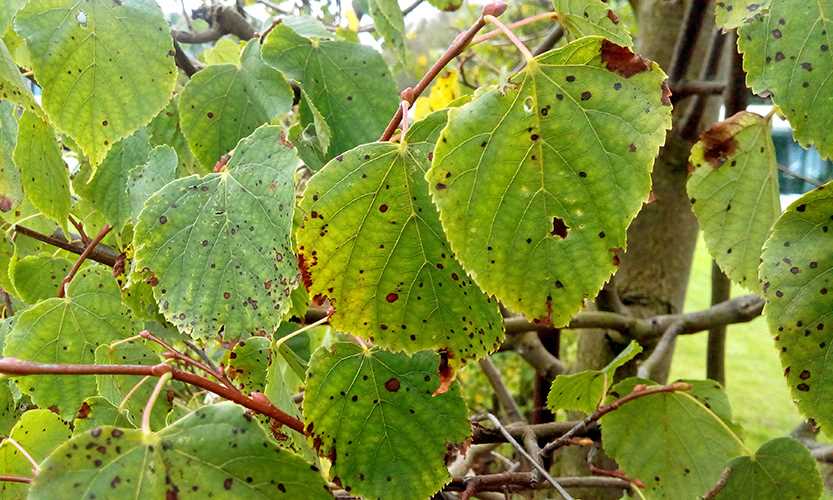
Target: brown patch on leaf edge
622,61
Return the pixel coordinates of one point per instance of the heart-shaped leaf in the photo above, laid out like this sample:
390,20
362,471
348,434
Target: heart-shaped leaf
734,193
537,181
591,17
219,246
217,451
38,432
797,281
373,414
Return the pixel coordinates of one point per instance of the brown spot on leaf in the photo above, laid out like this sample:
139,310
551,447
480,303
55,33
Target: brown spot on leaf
392,384
391,297
719,141
445,372
306,277
622,61
612,16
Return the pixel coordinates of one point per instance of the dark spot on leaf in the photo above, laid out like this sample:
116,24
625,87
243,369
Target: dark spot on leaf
391,297
559,228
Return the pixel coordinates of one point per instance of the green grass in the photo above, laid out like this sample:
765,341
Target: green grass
759,396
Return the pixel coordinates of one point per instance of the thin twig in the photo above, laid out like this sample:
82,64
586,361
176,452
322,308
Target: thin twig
721,290
561,491
80,228
101,254
17,367
157,389
638,392
505,398
524,50
86,253
9,478
173,353
457,46
517,24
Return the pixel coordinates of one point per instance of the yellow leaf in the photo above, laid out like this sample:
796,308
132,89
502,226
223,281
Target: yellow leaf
445,90
352,20
422,107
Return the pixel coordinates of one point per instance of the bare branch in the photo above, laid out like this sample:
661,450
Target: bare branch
687,41
661,350
501,391
534,461
101,253
521,481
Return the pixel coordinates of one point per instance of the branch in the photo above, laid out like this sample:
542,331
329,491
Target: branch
457,46
520,481
687,88
691,122
687,41
738,310
224,20
501,391
183,62
532,460
638,392
17,367
529,346
547,431
716,346
84,255
101,253
661,350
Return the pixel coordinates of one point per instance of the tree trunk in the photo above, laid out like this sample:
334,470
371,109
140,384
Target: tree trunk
653,275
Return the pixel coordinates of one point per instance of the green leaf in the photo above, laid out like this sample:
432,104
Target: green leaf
226,50
786,55
224,103
313,139
96,412
689,443
373,245
591,17
282,383
307,26
38,432
11,190
373,414
12,85
584,391
781,468
8,408
390,23
732,13
348,83
537,181
78,55
247,364
150,177
106,186
8,8
216,451
734,193
797,282
115,388
446,5
220,245
164,131
38,277
68,330
43,172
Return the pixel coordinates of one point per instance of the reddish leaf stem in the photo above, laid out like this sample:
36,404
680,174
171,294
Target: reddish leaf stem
456,48
17,367
81,258
102,255
9,478
179,356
